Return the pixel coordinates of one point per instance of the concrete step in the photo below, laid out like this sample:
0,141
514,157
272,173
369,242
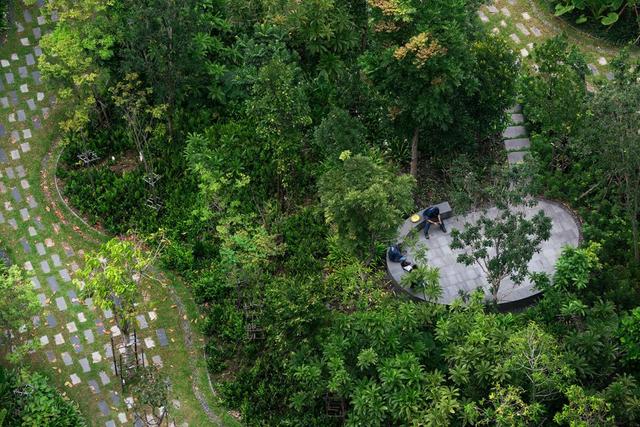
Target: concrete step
515,109
517,119
517,144
516,157
514,132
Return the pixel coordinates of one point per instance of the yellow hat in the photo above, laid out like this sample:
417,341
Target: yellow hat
415,218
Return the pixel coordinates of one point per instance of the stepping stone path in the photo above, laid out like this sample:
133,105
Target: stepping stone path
516,140
72,334
525,28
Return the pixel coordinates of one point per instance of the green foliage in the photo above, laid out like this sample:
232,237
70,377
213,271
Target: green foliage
630,334
555,96
111,277
27,400
18,303
584,410
365,201
502,246
611,142
576,265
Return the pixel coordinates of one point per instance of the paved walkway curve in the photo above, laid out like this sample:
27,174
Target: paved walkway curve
74,337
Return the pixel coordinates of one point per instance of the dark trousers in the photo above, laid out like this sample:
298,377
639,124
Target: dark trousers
427,226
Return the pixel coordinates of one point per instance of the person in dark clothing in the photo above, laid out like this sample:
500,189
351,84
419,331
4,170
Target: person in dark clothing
395,254
432,216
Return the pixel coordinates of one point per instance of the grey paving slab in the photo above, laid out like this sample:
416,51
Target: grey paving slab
142,322
4,101
67,359
517,118
51,321
27,16
162,337
88,336
3,156
35,282
44,265
53,284
104,408
41,249
31,104
84,364
42,298
23,73
456,277
64,273
2,130
37,51
517,144
55,258
36,77
61,303
20,171
9,77
13,96
30,59
15,193
51,357
37,33
515,109
104,378
115,398
514,132
25,245
73,297
516,157
13,223
93,386
22,116
77,346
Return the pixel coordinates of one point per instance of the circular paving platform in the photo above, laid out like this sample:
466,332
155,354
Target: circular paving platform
457,279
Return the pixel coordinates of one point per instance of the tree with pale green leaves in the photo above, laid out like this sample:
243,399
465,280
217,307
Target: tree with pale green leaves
502,246
111,277
366,201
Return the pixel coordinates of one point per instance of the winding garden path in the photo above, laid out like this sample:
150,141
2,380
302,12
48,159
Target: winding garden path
526,22
42,237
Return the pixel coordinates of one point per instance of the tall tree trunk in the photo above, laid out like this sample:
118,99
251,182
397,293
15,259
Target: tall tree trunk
414,153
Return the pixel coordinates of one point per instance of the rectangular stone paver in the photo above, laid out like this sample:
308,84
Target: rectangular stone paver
162,337
514,132
51,321
65,275
53,284
61,303
517,144
515,157
104,378
66,358
88,336
93,386
84,364
44,265
142,322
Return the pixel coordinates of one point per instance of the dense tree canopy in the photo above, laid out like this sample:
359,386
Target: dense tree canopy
277,142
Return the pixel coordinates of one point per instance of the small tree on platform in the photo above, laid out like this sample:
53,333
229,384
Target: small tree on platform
502,246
